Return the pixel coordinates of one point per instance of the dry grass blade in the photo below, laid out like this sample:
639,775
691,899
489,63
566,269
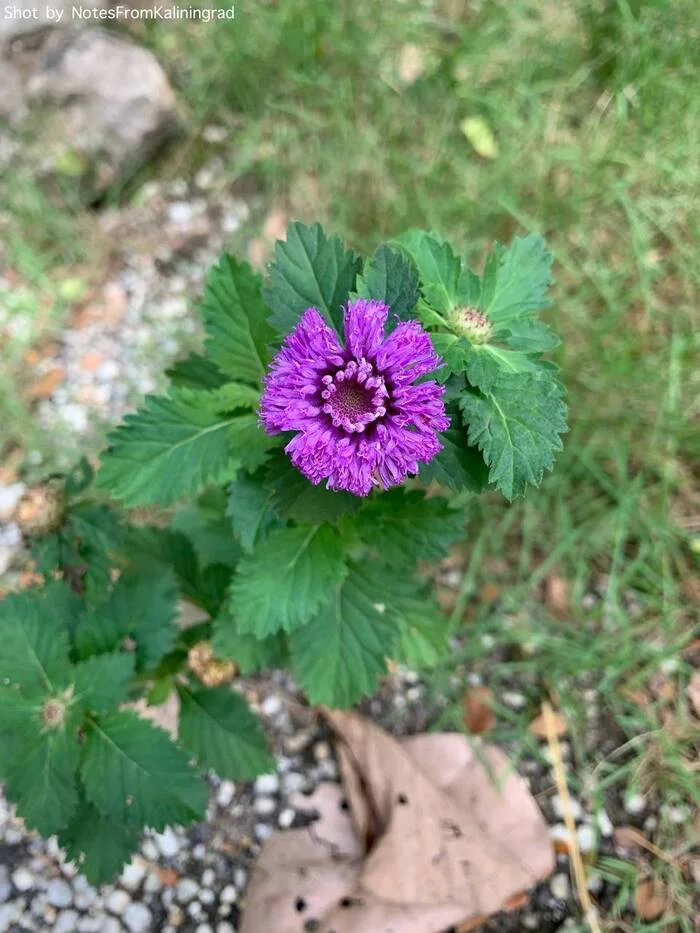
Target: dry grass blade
579,871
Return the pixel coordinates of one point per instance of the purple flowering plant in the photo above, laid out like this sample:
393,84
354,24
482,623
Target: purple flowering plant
279,485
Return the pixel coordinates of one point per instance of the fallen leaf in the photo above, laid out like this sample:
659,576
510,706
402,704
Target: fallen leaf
47,385
693,693
478,710
275,226
480,135
556,596
168,876
629,840
650,898
538,729
489,593
423,836
411,63
662,687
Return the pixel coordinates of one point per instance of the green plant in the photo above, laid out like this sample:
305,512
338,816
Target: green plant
285,571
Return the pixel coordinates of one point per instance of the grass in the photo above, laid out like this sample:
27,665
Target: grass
594,109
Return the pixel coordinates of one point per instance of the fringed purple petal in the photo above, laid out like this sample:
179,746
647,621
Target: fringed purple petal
407,353
364,324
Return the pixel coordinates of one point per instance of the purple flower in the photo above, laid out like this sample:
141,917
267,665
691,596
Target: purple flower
360,419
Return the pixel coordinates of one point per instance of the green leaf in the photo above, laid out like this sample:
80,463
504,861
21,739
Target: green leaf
445,283
79,478
170,448
153,547
517,426
98,846
249,443
102,681
18,712
142,606
41,779
311,270
235,320
134,774
251,654
406,527
423,631
34,643
339,655
206,525
282,583
249,509
528,335
392,278
293,496
516,280
196,372
222,733
235,395
486,363
458,465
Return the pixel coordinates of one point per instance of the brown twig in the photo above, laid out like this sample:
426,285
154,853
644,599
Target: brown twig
579,870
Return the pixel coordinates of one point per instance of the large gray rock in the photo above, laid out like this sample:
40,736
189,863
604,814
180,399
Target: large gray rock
28,21
108,105
12,105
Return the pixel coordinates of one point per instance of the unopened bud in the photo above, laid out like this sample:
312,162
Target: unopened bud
472,323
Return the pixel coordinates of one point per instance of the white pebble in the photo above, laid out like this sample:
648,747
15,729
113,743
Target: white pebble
595,883
264,806
199,852
9,500
150,850
559,833
66,921
605,824
204,928
208,877
262,831
10,914
574,807
267,784
111,925
59,894
271,706
228,895
559,886
195,910
22,879
514,700
286,818
5,886
225,927
168,843
240,878
117,902
133,874
322,751
207,897
137,918
635,803
186,890
586,838
152,884
293,782
226,793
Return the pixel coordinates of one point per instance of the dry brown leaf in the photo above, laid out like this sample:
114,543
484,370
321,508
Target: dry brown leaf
693,693
478,710
164,715
47,385
629,840
650,899
489,593
538,729
556,596
446,841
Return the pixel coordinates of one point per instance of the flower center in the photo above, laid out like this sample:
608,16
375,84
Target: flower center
355,396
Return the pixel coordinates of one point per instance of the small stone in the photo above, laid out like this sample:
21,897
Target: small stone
186,890
594,883
530,921
137,918
226,793
66,921
229,895
574,807
322,751
240,878
203,928
199,852
111,925
195,910
267,784
328,770
22,879
293,783
168,843
559,886
295,744
265,806
207,897
225,927
271,706
10,914
586,838
635,803
150,850
286,818
133,874
117,902
5,886
58,893
605,824
262,832
513,699
9,500
208,877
